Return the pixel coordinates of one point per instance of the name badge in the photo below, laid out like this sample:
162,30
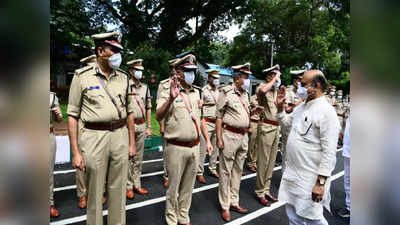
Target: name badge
93,87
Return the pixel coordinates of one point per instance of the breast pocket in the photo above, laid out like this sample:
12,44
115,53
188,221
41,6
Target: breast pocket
95,98
180,110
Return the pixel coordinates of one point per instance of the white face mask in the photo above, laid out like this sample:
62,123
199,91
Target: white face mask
216,82
246,84
302,91
138,74
115,61
277,84
332,93
189,77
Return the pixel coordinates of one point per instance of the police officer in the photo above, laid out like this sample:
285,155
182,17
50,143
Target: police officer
164,87
332,95
209,106
252,153
98,96
291,101
268,131
55,115
181,111
140,94
233,123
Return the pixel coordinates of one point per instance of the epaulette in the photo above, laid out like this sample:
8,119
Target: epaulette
227,88
123,71
83,70
163,81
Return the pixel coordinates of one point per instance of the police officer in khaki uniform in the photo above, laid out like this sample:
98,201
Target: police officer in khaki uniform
140,94
209,100
80,177
291,101
55,115
252,153
233,123
164,87
332,95
268,131
98,96
181,111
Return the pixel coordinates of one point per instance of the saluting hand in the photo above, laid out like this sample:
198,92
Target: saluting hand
174,87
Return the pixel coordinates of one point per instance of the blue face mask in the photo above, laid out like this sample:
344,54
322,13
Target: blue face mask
302,91
189,77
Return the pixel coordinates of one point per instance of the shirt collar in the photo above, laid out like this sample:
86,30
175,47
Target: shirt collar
98,71
191,88
315,101
136,85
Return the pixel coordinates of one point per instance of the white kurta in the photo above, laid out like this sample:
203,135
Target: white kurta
311,151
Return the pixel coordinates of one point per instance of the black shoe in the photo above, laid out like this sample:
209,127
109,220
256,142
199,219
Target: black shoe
344,213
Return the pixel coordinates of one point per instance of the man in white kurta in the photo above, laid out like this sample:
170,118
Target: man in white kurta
311,151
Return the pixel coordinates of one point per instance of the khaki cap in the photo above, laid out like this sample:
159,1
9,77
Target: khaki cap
333,88
111,38
245,68
213,72
297,72
136,63
188,62
276,67
89,59
340,92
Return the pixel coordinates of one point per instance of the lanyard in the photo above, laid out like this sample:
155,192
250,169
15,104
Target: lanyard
191,114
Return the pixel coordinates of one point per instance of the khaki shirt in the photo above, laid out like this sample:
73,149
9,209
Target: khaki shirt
53,105
253,104
291,95
90,102
178,122
141,98
331,99
231,109
163,86
210,98
339,107
268,102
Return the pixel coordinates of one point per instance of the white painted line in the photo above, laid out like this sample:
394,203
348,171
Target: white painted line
143,175
265,210
151,201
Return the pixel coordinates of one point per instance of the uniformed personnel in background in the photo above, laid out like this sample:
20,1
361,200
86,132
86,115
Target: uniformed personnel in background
80,177
252,153
233,123
55,115
268,132
140,95
209,106
291,101
332,95
180,109
98,96
164,87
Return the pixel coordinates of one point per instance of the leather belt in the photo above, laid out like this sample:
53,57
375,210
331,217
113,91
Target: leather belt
209,120
272,122
140,121
254,121
51,130
113,125
185,143
236,130
209,104
341,115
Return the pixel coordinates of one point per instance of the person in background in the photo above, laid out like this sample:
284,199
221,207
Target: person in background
345,212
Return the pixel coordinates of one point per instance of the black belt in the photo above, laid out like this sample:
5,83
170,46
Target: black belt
113,125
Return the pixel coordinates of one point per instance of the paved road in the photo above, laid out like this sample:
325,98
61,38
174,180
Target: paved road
149,210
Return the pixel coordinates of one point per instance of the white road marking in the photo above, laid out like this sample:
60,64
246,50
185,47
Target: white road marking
265,210
196,190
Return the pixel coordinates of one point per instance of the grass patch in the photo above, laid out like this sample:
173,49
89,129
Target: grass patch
155,126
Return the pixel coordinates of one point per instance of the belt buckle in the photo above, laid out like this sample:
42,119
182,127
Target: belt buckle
111,126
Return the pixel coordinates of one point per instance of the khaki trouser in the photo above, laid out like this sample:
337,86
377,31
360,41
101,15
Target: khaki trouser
80,180
164,145
53,149
231,160
105,152
203,151
252,153
266,156
135,164
182,165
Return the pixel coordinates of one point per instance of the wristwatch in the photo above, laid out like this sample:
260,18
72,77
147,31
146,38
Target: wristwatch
322,181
